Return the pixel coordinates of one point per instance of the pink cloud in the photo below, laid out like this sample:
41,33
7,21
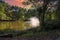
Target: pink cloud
15,2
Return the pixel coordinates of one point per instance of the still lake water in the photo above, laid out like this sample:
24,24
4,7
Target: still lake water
15,25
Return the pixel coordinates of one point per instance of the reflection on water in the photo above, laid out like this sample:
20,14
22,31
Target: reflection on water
19,24
15,25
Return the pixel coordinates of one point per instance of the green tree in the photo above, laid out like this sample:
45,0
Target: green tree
14,12
2,7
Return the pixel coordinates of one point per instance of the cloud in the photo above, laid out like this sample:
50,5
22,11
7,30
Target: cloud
18,3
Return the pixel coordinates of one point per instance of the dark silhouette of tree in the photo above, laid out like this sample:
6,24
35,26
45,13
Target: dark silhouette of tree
58,10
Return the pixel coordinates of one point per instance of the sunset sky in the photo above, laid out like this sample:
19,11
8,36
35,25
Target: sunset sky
15,2
19,3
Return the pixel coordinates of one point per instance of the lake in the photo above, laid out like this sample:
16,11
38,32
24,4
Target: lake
15,25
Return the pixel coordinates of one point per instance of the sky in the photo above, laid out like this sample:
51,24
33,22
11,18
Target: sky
18,3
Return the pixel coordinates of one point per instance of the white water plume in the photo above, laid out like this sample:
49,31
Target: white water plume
34,22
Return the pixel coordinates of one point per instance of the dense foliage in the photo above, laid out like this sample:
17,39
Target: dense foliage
46,13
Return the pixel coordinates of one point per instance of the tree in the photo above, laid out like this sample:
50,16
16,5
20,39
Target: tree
52,13
58,10
2,7
13,12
